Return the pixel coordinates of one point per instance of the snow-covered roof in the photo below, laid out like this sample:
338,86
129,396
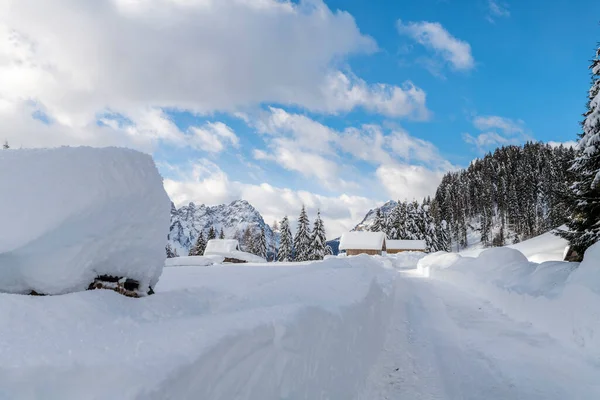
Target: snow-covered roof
362,241
220,246
405,244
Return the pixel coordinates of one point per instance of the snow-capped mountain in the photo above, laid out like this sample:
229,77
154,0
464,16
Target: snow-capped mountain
367,221
233,218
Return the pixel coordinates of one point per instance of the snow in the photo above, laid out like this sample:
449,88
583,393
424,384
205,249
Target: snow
280,330
444,343
546,247
362,240
198,261
71,214
405,244
229,248
559,298
217,246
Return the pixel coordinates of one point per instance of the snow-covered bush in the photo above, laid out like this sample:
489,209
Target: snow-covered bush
70,215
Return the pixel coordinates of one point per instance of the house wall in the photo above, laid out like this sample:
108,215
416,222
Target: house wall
355,252
396,251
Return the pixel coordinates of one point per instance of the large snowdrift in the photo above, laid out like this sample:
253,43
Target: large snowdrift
71,214
276,331
557,297
545,247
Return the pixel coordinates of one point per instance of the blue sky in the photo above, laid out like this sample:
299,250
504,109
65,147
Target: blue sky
339,105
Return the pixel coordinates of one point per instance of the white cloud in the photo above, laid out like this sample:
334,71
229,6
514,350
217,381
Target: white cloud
403,181
434,36
497,131
568,143
343,93
77,60
507,125
497,9
213,137
206,183
488,139
298,143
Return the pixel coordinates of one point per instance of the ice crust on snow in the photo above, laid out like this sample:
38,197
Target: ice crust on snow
270,331
71,214
560,298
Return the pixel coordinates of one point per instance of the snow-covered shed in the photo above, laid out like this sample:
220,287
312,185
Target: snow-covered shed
230,250
361,242
398,246
219,246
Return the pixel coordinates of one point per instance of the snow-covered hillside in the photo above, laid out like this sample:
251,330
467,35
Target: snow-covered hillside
233,218
369,218
69,215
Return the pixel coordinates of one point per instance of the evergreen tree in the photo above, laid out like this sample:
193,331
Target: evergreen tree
445,243
328,250
584,211
273,242
260,247
221,234
285,244
318,239
378,222
199,246
248,243
171,252
394,222
212,233
302,238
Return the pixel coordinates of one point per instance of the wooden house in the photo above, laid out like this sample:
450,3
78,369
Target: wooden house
360,242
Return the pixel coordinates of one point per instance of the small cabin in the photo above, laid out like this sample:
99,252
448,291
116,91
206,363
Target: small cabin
229,249
399,246
225,248
360,242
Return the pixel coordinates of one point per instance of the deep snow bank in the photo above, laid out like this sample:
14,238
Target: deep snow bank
71,214
248,331
560,298
545,247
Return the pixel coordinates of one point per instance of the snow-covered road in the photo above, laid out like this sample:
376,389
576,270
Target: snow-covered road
444,343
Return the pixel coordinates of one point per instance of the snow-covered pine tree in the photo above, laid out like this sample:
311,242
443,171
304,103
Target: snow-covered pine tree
247,242
412,229
584,211
212,233
199,246
302,238
328,250
285,244
318,239
260,244
429,230
171,252
221,234
378,222
273,242
394,223
444,236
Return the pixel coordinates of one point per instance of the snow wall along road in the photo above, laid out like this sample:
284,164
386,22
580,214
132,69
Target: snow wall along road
71,214
559,298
